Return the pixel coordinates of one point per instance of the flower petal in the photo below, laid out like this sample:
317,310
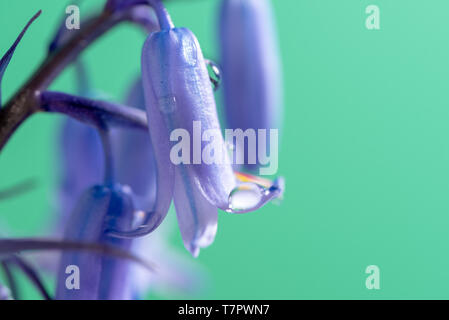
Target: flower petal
4,293
82,164
136,95
197,218
99,209
251,67
134,156
176,273
179,95
117,5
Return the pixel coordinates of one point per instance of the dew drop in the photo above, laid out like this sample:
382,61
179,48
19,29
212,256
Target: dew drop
167,104
214,74
245,197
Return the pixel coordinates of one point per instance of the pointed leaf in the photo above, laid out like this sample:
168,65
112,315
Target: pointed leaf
8,55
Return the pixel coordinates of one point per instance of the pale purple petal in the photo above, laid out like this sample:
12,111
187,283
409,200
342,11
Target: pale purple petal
176,272
197,218
178,94
99,209
251,67
81,166
135,164
5,294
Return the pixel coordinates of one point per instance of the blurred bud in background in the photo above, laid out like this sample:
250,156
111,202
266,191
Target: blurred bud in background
251,67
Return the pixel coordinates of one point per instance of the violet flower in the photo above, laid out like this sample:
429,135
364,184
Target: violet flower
251,67
178,94
104,278
134,159
134,166
175,272
82,164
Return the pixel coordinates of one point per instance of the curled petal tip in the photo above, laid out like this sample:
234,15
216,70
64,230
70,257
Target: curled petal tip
197,217
151,222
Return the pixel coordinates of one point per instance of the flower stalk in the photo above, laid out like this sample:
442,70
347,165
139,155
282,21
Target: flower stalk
26,101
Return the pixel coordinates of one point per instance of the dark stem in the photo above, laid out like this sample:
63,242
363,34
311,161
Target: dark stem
18,189
96,113
10,279
12,116
24,103
32,275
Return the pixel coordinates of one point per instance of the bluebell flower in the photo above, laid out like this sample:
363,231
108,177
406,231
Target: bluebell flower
251,67
175,273
134,166
134,162
103,278
81,165
178,94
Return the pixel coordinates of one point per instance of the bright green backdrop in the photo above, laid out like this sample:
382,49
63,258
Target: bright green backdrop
365,148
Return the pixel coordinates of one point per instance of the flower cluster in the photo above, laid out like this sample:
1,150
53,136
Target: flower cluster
118,177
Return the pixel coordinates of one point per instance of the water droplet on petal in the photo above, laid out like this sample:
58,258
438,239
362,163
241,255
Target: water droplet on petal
245,197
167,104
214,74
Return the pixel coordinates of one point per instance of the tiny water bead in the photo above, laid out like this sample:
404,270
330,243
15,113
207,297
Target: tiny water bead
253,192
167,104
245,197
214,73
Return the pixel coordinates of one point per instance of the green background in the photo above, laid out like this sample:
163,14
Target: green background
365,149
